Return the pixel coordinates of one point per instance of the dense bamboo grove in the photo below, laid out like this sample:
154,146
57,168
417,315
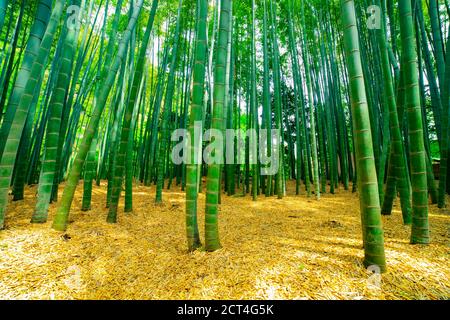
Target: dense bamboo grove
358,92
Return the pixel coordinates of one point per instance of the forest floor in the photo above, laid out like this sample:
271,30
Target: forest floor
295,248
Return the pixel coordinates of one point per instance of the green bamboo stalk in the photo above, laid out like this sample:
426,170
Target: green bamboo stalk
367,177
52,135
3,4
298,99
313,138
167,111
438,44
420,232
62,215
253,105
266,95
277,96
422,42
445,142
132,104
89,175
8,72
12,142
212,242
397,160
36,34
192,169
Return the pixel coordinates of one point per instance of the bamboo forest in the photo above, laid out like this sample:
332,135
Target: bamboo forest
224,150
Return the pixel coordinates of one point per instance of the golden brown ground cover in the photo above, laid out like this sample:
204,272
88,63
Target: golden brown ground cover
295,248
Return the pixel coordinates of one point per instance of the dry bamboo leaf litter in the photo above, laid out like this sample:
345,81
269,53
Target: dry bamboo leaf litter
294,248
